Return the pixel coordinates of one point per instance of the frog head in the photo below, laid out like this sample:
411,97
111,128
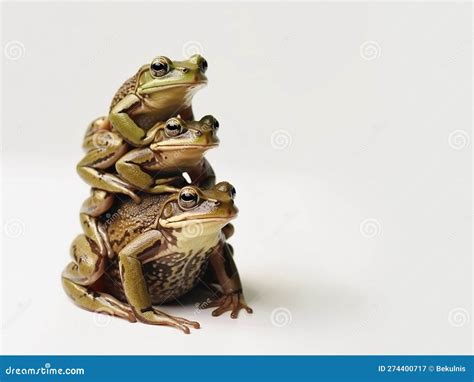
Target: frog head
195,213
185,142
170,80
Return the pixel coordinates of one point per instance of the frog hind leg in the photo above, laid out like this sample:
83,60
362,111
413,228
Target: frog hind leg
98,203
79,275
106,147
136,289
98,302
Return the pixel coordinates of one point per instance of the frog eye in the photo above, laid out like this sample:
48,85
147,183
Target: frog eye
159,66
188,198
232,192
173,127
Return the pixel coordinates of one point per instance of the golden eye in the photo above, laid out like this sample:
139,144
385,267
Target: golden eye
173,127
188,198
159,67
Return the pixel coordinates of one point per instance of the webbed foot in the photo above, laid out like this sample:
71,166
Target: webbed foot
231,302
153,316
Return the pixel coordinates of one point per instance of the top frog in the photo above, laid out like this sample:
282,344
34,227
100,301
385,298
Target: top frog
157,92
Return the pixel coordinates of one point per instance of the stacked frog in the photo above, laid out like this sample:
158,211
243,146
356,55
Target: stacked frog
150,236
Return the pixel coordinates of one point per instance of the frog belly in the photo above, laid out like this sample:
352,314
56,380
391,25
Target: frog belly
167,277
175,274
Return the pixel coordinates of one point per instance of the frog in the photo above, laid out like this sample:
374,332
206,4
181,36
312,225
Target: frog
178,147
158,91
164,246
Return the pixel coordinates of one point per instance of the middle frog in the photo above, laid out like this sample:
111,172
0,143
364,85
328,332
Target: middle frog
178,147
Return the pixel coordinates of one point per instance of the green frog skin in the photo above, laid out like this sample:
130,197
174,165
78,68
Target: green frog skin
159,257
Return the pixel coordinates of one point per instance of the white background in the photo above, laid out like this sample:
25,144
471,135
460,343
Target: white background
331,114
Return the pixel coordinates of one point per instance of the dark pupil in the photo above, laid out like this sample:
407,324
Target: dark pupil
216,124
173,127
188,197
158,66
232,191
203,65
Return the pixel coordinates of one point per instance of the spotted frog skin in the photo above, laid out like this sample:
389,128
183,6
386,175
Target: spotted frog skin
158,91
161,248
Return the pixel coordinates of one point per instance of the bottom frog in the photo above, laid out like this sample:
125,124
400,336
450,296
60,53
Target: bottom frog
161,249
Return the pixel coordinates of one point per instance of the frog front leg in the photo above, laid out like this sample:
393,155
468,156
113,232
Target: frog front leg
134,285
86,268
125,125
108,148
130,167
227,276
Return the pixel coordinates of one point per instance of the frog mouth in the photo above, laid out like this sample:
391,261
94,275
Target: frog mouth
214,219
196,84
184,147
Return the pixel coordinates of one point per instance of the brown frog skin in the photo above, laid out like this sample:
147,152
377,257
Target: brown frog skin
158,91
162,247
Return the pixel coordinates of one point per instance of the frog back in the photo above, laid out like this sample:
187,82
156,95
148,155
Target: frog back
128,87
127,219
